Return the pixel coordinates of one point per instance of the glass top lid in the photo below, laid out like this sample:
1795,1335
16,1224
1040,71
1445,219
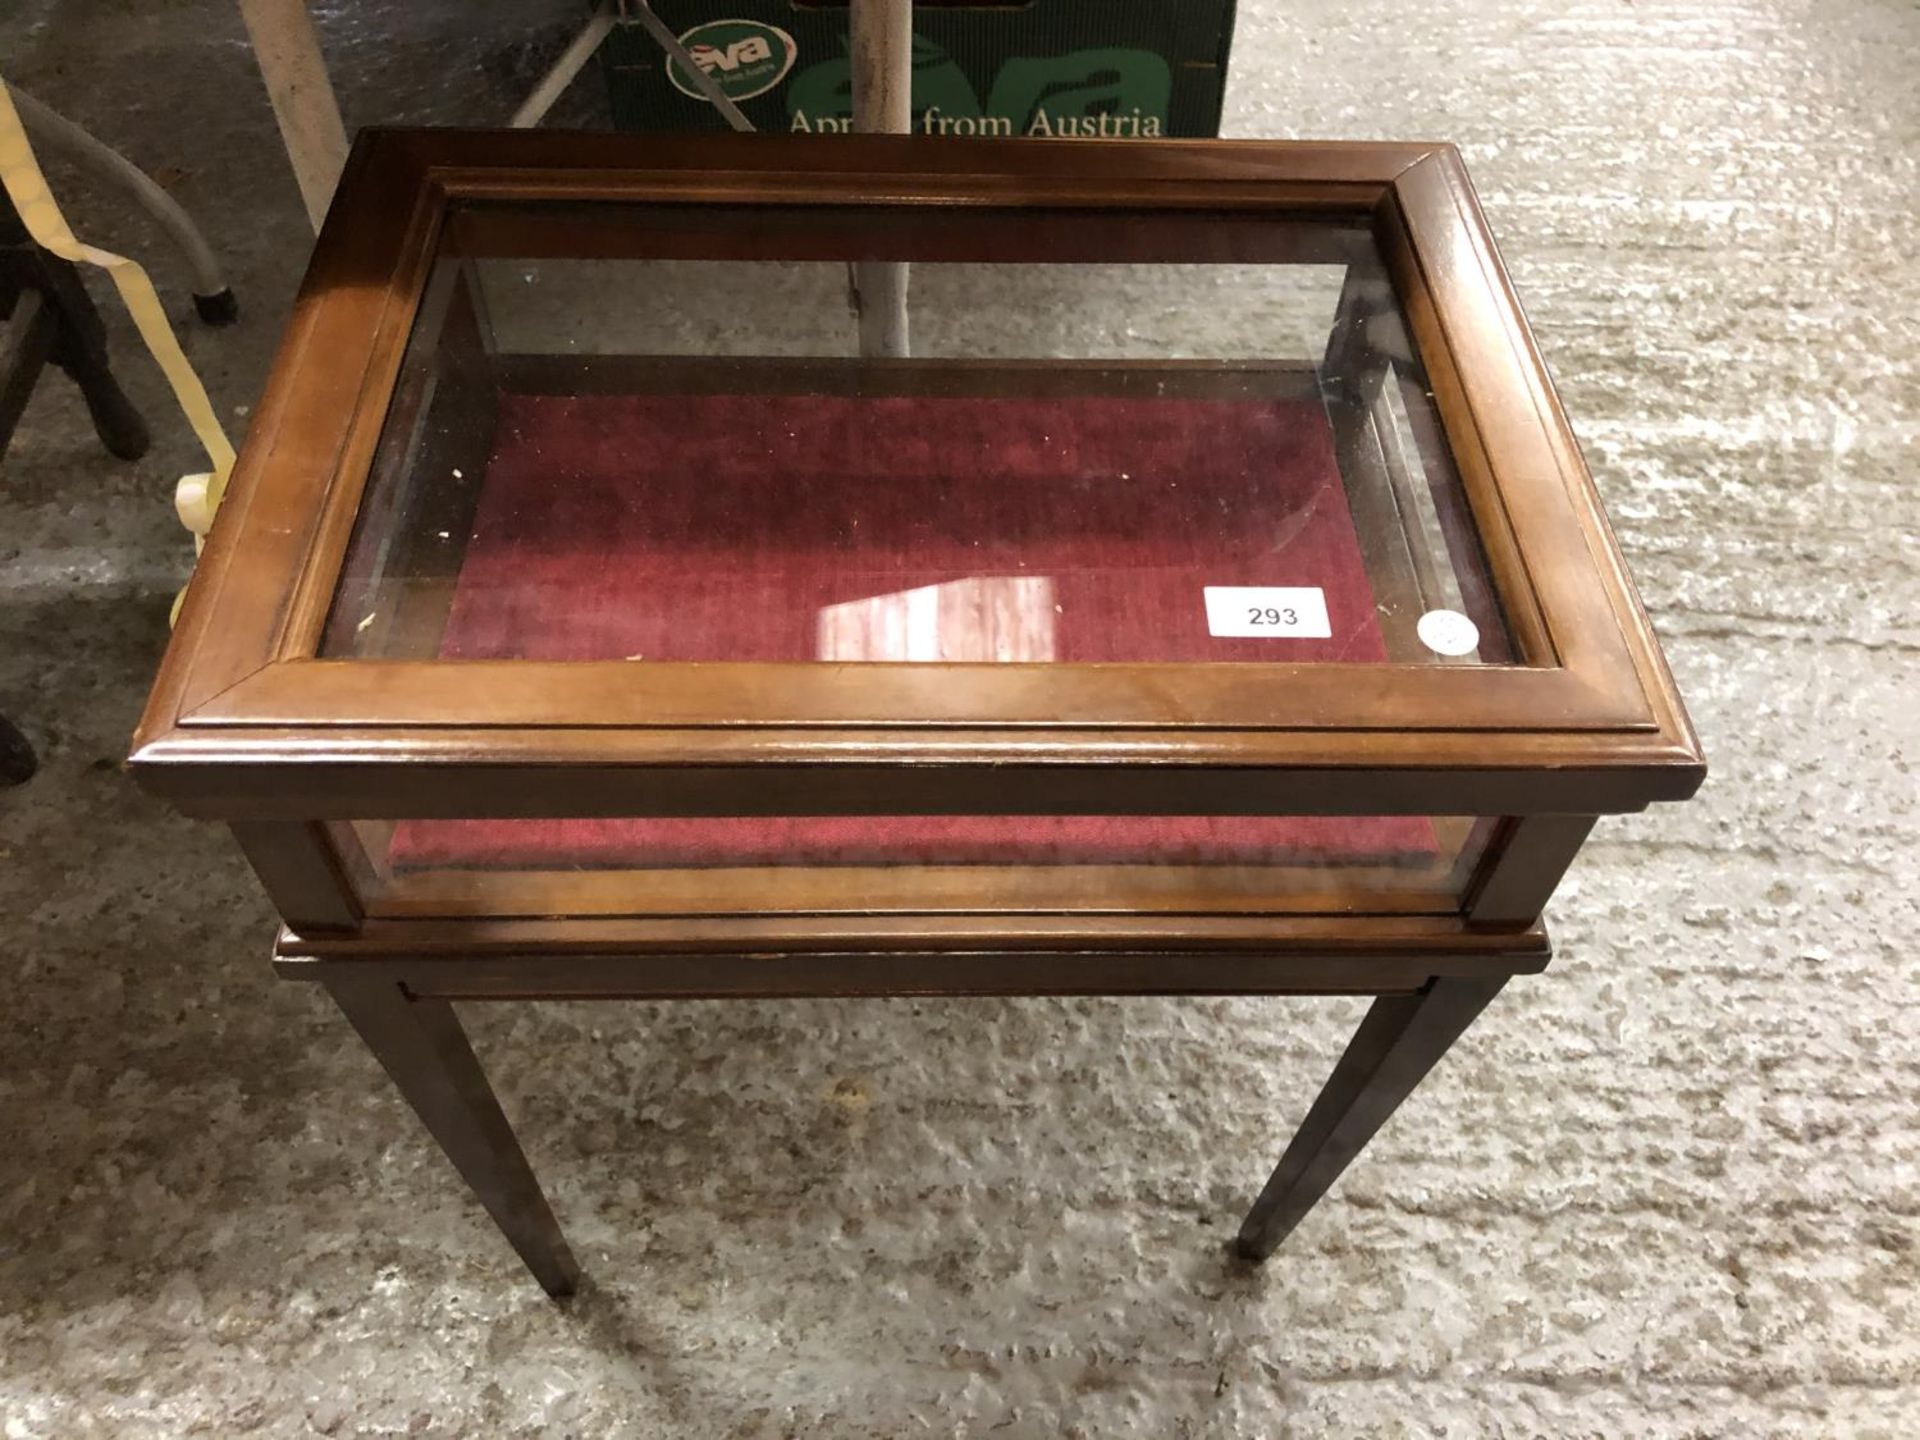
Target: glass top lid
989,445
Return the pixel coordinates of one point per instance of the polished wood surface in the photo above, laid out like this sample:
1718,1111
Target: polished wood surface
353,771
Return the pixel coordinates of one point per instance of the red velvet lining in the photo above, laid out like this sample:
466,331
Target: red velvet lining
1393,840
720,527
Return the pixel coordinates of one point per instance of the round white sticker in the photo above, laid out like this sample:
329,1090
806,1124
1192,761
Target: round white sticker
1448,632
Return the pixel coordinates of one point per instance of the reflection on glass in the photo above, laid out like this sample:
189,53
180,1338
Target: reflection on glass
1246,863
981,618
689,459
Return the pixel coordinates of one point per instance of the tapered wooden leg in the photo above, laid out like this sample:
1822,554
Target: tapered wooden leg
1401,1039
424,1049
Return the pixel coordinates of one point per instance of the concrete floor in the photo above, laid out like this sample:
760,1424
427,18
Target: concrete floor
1672,1188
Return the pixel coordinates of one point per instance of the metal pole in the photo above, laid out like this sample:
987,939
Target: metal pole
882,105
287,50
560,74
708,86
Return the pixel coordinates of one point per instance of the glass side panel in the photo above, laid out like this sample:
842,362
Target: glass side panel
1219,447
1394,863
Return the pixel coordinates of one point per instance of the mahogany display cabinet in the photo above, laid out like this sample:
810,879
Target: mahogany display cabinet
1197,589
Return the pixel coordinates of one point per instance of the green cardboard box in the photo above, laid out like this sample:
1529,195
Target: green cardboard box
1127,68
